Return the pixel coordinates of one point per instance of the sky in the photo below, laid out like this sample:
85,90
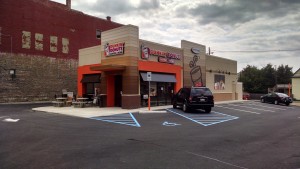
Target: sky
252,32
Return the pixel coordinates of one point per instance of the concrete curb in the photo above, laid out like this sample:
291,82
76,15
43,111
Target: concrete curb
157,111
37,102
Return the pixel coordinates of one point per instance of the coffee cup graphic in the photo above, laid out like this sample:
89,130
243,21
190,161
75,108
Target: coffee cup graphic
196,74
145,52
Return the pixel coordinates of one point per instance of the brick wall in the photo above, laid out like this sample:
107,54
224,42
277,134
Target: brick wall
38,78
43,27
41,39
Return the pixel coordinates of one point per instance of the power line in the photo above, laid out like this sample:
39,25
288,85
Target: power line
256,51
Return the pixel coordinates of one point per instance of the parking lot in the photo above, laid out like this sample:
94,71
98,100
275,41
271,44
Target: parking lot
234,135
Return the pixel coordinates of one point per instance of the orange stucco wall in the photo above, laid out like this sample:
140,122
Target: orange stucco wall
163,68
81,71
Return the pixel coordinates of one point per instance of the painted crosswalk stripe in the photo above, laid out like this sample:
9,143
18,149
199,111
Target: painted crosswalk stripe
126,119
206,119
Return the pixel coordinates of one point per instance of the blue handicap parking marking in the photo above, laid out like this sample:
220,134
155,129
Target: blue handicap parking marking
125,119
206,119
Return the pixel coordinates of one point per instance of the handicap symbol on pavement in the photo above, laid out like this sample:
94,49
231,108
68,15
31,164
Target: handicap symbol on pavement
170,124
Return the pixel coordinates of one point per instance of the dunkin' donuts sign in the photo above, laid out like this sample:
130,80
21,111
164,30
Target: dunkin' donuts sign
114,49
164,57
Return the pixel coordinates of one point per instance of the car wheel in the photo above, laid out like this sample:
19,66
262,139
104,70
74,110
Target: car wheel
207,109
276,102
262,100
287,104
184,107
174,105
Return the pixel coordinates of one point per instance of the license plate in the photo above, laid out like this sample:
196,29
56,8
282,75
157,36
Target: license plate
202,100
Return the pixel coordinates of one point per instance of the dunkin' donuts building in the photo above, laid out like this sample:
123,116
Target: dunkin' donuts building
117,70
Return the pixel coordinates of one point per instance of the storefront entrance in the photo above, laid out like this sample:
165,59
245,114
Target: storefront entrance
118,90
161,93
90,83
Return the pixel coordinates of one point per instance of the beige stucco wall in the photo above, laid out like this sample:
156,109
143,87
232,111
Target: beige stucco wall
193,64
89,56
296,88
221,66
163,48
128,34
239,91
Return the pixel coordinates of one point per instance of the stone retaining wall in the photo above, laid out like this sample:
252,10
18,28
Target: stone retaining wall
38,78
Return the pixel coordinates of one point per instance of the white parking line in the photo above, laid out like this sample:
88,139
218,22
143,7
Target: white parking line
238,109
267,106
252,108
206,120
3,117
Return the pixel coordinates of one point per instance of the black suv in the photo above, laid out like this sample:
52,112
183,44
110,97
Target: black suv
194,98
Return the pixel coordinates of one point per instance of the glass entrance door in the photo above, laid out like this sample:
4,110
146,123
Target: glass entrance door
161,93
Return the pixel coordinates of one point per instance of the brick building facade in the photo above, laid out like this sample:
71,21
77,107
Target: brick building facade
40,40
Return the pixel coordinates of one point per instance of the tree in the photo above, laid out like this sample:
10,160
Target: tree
250,76
268,74
259,80
284,74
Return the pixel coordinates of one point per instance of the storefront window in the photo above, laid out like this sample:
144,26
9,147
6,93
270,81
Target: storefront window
161,93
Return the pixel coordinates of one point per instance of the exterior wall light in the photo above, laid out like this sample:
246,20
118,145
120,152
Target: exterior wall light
12,73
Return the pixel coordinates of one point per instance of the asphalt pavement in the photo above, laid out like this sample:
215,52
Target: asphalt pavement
246,134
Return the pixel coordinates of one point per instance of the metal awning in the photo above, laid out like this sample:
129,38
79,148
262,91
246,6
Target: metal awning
159,77
91,78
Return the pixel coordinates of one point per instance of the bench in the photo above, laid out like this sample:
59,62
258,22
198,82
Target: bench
79,104
58,104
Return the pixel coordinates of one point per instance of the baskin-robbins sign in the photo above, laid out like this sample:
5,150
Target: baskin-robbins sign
163,57
114,49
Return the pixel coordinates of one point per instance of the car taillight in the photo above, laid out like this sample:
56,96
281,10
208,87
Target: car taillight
190,98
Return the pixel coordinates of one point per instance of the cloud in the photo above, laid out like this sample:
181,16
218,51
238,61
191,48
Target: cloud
232,12
116,7
223,25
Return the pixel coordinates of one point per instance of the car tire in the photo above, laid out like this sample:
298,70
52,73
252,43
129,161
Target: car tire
207,109
174,105
276,102
262,100
287,104
185,108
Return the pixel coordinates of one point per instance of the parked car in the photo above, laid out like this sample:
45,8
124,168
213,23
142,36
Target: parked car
276,98
246,96
194,98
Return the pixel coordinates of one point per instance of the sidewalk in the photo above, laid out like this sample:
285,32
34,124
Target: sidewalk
296,103
89,112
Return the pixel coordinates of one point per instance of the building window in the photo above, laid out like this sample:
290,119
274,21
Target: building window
98,34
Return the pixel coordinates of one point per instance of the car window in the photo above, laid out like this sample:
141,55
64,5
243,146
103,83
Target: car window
200,91
282,95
